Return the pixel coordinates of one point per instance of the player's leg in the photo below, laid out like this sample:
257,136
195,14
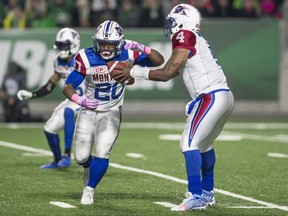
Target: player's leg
51,129
210,128
70,110
106,133
83,141
190,143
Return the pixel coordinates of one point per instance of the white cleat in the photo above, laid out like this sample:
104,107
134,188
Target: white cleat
87,196
191,203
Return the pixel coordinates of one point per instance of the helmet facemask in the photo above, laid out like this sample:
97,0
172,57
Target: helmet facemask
67,43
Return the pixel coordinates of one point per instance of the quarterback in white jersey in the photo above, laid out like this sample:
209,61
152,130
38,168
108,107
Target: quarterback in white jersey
67,44
98,122
212,101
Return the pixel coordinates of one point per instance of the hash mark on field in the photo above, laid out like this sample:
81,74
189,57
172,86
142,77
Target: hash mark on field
277,155
62,204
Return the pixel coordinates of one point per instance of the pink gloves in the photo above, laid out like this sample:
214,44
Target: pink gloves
85,101
137,47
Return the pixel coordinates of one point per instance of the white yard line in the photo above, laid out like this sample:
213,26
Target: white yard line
165,125
160,175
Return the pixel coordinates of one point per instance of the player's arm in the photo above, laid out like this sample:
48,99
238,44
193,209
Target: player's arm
170,70
153,55
75,79
42,91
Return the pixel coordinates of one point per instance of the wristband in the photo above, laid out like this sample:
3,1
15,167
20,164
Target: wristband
147,50
75,98
140,73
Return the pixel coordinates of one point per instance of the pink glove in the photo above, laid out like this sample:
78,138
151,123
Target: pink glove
137,47
85,101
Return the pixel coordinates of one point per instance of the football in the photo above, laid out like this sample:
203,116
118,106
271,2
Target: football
114,65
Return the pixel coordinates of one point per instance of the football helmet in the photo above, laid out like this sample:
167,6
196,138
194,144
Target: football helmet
182,16
67,43
108,39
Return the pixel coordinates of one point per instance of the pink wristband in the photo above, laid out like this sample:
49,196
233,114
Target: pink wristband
147,50
75,98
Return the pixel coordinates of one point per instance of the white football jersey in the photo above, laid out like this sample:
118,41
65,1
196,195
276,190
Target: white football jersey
201,73
98,81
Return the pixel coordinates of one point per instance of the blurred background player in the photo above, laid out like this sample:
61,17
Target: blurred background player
15,110
212,101
98,122
67,44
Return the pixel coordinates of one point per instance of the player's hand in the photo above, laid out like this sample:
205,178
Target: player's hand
137,47
24,95
122,75
88,103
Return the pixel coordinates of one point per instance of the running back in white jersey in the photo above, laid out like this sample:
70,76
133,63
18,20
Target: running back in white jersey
201,73
98,81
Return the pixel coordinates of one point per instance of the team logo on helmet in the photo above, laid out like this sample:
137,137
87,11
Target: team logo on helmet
119,30
180,10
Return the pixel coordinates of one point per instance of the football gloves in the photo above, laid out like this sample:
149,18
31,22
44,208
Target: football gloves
85,101
137,47
24,95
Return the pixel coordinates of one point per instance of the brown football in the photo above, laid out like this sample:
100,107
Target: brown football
114,65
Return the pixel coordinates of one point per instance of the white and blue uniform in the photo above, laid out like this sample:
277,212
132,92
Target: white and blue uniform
212,101
101,126
211,105
57,120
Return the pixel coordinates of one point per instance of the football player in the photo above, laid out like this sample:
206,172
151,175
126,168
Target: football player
67,44
99,120
212,100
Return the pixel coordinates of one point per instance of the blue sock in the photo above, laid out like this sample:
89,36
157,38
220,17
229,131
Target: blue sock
193,169
54,143
98,168
208,163
69,126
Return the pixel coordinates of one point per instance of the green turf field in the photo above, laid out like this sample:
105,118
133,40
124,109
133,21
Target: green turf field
147,172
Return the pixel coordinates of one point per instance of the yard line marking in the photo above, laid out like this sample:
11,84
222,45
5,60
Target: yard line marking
62,204
160,175
25,148
166,204
221,137
260,137
165,125
277,155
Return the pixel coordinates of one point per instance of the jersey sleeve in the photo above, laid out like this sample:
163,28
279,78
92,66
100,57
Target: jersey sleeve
80,62
75,78
186,40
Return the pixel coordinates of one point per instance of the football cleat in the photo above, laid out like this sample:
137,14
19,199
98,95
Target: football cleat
64,162
86,175
192,202
52,165
87,196
208,197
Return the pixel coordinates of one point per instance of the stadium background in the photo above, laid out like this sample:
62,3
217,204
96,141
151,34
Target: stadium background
249,50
